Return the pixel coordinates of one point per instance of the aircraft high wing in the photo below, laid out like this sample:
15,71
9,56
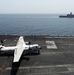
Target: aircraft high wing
19,48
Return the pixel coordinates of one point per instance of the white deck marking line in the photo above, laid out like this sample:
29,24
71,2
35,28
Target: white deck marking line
9,68
58,37
70,67
48,66
67,44
51,45
55,52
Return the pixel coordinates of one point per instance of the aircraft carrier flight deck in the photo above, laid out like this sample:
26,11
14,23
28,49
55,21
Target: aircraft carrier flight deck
56,56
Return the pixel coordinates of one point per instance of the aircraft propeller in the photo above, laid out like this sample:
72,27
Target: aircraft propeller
2,42
29,45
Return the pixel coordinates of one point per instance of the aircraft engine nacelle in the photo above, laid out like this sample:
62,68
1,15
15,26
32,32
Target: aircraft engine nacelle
28,42
35,49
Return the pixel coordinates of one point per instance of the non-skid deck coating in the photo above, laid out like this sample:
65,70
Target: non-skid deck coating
51,61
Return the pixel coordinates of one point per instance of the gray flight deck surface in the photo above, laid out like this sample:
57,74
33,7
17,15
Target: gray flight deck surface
56,58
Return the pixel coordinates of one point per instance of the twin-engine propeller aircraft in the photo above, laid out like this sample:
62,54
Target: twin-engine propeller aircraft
20,48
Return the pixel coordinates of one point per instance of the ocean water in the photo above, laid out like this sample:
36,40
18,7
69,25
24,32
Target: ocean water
36,24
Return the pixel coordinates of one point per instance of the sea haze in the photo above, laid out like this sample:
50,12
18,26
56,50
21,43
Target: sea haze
36,24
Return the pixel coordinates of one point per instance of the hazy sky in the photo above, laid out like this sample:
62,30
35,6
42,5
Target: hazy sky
36,6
